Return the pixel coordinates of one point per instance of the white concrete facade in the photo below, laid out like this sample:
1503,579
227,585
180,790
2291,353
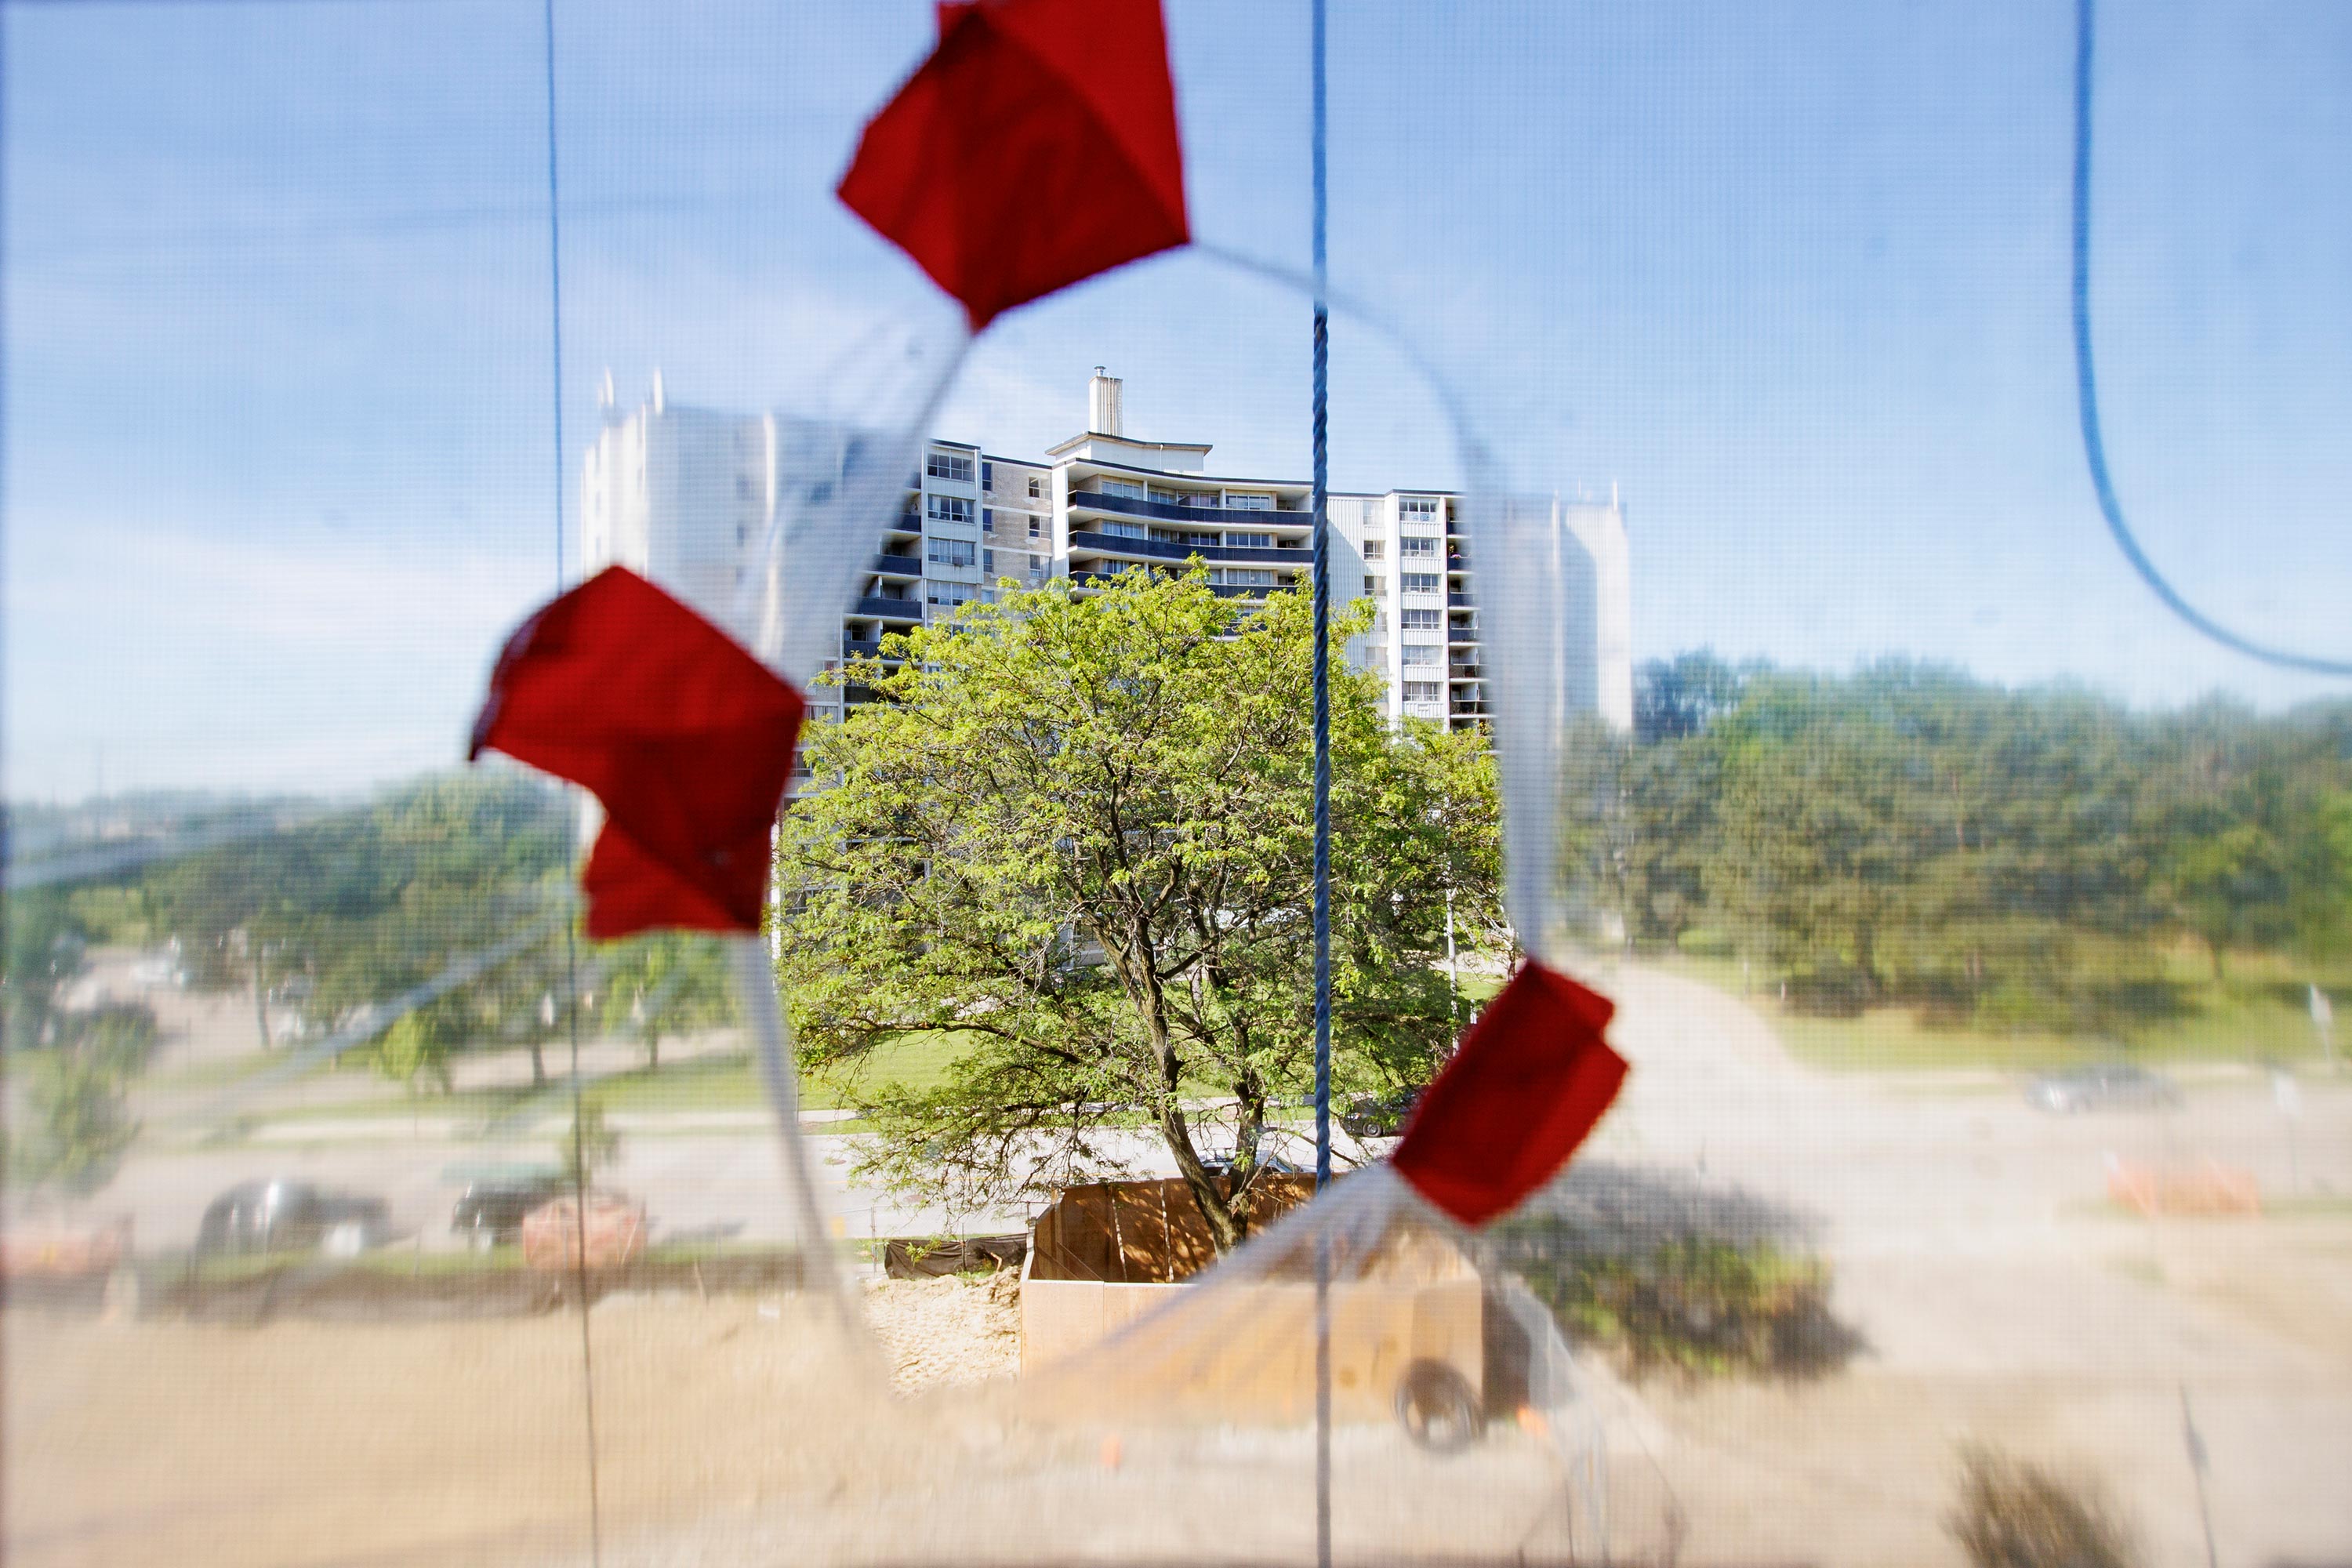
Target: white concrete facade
679,492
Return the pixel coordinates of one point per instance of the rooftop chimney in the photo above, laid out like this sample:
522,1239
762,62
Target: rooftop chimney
1102,404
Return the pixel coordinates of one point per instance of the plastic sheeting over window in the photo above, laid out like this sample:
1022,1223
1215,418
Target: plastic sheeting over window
1974,936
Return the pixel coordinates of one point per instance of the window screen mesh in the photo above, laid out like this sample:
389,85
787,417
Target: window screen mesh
1981,1187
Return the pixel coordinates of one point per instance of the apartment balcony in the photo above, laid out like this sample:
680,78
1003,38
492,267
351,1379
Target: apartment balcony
908,523
1295,557
1466,672
863,648
880,607
1458,601
889,565
1085,580
1168,512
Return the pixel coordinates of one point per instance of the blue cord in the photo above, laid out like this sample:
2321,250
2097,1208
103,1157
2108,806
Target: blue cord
2086,383
570,934
1322,814
1322,503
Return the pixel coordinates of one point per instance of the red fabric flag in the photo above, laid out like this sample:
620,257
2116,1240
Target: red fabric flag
1530,1080
686,738
1036,146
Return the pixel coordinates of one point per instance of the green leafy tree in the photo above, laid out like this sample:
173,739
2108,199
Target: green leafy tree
2323,863
415,1050
76,1125
589,1146
45,951
665,984
1074,839
340,913
2220,804
1821,813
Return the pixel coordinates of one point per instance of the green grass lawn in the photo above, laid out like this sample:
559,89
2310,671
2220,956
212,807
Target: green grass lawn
2257,1013
725,1082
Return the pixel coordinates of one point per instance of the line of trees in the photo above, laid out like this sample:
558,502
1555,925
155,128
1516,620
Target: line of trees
327,913
1907,834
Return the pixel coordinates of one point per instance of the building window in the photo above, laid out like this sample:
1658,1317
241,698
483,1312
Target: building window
1376,549
1419,620
1249,501
1130,488
1248,540
988,562
988,475
1166,497
947,595
948,466
1420,582
1244,577
1378,588
947,509
1424,692
988,519
1120,528
1033,490
1410,546
1418,509
1036,526
1420,653
951,552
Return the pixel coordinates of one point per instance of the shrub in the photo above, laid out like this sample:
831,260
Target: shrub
2013,1514
1671,1274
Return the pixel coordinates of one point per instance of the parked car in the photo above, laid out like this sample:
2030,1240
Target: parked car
1379,1115
490,1210
280,1215
2097,1088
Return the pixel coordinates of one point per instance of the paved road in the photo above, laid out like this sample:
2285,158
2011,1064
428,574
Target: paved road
1994,1296
1891,1173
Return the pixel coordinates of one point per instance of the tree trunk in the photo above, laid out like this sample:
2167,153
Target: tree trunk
1865,959
652,1050
260,999
538,1066
2213,945
1226,1228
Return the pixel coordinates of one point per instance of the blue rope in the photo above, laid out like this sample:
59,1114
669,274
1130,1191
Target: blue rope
570,934
1322,503
1322,811
2086,383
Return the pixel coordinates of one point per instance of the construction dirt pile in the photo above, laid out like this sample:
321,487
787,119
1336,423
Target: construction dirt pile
948,1332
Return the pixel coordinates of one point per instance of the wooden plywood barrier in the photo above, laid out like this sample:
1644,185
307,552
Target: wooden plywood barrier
1142,1233
1245,1351
2210,1188
614,1230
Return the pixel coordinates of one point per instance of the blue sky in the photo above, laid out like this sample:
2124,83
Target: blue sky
1792,276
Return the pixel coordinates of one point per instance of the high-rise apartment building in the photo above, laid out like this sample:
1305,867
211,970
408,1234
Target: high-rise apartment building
684,493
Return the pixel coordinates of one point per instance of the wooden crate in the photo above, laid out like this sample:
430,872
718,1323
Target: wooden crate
1105,1258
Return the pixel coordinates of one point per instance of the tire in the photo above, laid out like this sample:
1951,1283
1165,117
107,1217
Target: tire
1437,1408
